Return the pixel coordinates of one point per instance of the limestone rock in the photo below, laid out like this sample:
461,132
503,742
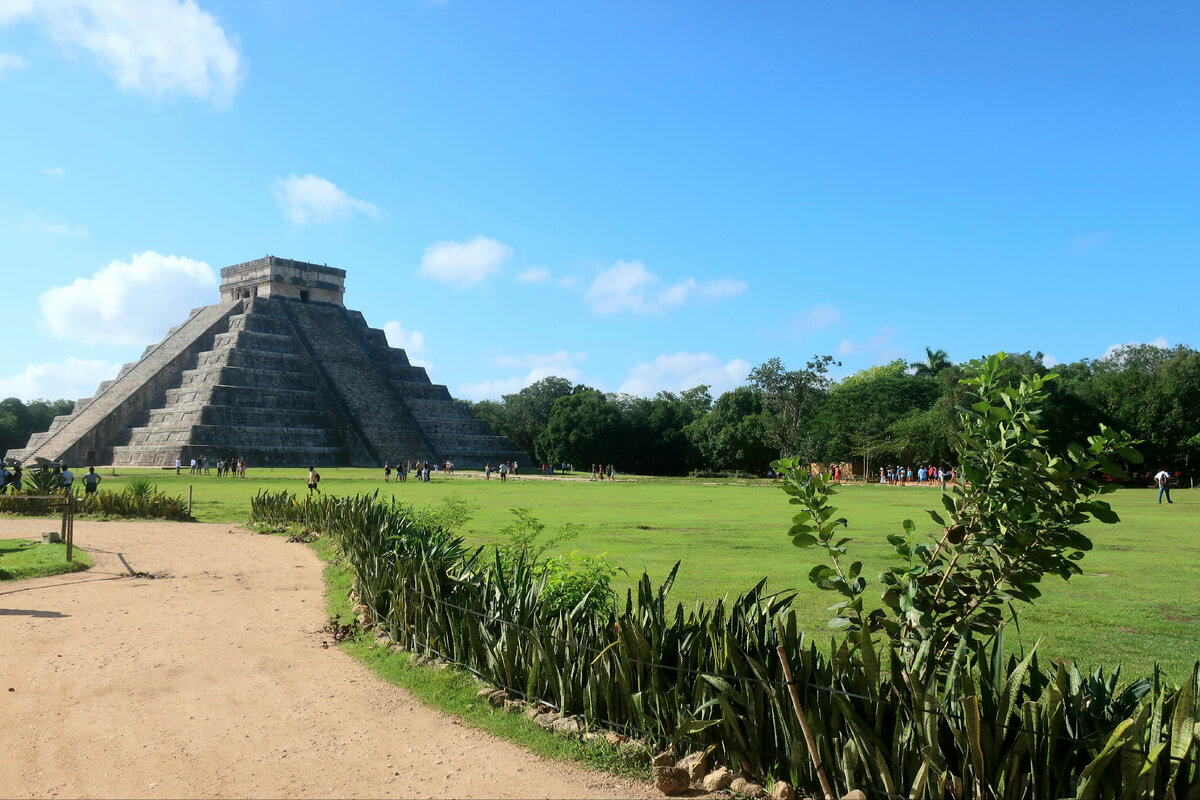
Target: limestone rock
664,759
567,725
695,763
513,706
547,719
485,691
720,778
497,698
615,738
855,794
747,788
533,711
783,791
671,780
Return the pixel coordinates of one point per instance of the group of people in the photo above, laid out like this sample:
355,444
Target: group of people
504,469
226,467
601,472
419,469
901,476
66,479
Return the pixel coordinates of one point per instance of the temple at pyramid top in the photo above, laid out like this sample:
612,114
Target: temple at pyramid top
278,372
282,277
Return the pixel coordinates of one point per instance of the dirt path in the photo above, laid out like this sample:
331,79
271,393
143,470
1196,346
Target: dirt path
210,680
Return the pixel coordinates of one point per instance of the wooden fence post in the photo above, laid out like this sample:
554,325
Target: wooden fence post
69,525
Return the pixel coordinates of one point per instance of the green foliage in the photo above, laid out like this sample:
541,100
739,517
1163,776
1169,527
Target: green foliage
790,397
19,420
523,535
733,435
139,500
571,579
43,480
1014,521
708,676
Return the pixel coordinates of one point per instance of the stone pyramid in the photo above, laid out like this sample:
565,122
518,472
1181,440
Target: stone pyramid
279,372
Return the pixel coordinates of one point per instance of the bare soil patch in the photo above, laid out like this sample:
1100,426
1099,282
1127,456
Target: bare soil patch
188,663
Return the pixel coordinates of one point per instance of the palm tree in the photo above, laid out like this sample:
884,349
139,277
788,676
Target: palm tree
935,361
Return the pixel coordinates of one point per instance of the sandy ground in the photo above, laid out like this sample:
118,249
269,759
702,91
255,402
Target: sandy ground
210,680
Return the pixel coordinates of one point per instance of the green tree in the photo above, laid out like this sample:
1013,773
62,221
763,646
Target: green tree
858,416
733,436
790,397
584,428
935,361
523,415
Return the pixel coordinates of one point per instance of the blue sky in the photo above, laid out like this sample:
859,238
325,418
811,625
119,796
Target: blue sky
635,195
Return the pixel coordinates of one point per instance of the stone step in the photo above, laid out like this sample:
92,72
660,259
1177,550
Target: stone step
245,397
254,340
270,416
214,375
258,323
255,359
232,437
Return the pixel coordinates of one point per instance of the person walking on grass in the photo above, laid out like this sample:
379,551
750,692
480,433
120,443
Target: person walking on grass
314,479
1163,479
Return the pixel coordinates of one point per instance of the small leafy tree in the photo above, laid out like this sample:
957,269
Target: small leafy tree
1013,520
567,580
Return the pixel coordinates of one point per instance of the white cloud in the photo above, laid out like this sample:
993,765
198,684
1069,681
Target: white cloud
129,303
157,47
879,347
411,342
1050,361
814,319
629,286
314,199
1160,342
8,61
69,380
1081,244
540,365
534,275
55,172
464,263
681,371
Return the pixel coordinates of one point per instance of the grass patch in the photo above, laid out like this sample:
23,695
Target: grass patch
22,558
454,690
730,533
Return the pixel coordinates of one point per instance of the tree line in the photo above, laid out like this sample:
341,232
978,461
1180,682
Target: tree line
897,413
19,420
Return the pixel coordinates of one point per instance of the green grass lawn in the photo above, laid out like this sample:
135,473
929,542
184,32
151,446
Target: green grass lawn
1137,602
20,558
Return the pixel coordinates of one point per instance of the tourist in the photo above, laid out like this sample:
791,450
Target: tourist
387,472
90,481
503,471
178,465
487,472
1163,479
5,478
67,478
314,478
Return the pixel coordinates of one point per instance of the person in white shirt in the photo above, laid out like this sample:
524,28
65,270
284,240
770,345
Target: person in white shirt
66,478
1163,479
